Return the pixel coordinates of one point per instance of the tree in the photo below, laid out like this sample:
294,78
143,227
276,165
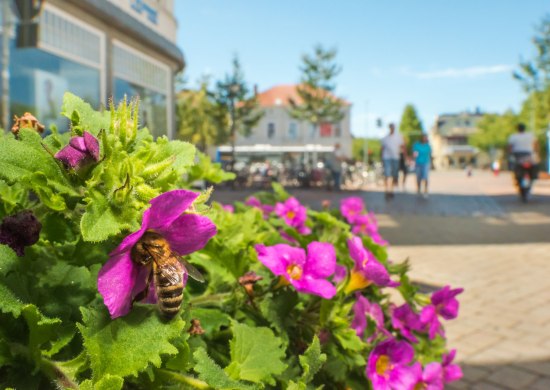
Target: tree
493,131
358,149
200,120
410,125
235,98
534,76
317,102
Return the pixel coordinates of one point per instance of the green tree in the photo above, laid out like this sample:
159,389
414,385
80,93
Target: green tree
358,149
235,98
493,131
317,103
534,76
411,125
199,119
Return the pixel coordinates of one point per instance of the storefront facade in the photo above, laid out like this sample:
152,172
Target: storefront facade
96,49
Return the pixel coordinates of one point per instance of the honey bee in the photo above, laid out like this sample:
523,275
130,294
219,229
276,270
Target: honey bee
168,270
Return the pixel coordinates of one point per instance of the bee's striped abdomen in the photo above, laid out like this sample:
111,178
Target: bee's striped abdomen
169,288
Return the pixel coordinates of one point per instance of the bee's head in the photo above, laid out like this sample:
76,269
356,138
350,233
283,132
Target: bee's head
151,244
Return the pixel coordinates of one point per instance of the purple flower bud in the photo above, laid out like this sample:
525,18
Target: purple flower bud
79,151
20,230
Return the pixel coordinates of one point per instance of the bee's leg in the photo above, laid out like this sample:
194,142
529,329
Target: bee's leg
142,295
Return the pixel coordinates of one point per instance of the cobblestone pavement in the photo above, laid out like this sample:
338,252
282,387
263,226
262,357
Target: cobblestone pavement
473,232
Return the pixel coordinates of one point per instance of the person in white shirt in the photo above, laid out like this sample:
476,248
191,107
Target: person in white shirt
392,145
523,145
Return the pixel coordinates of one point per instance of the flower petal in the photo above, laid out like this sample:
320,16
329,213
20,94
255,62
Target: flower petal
78,143
375,271
116,282
188,233
70,156
131,239
320,287
357,251
321,259
92,145
167,207
278,257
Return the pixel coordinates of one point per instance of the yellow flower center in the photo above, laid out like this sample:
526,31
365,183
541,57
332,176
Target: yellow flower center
294,271
290,214
383,364
420,386
356,282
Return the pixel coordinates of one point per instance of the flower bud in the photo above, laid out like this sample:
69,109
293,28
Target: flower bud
20,230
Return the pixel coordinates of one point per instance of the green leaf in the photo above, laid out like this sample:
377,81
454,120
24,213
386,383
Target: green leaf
256,354
25,157
102,220
108,382
8,259
312,360
9,303
213,374
211,319
83,115
127,345
42,330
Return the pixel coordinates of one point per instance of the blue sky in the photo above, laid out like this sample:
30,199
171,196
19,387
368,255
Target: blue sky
441,56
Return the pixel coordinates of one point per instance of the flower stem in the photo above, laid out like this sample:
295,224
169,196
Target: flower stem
188,380
209,299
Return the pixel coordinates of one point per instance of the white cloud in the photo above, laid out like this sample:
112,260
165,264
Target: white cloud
470,72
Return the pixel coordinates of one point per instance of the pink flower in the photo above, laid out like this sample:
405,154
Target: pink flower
351,208
121,279
367,225
363,309
404,319
388,368
340,273
367,268
254,202
445,303
229,208
79,151
451,372
307,273
294,214
430,378
430,321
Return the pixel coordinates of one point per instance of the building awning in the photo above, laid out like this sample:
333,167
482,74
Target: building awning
111,14
460,149
266,148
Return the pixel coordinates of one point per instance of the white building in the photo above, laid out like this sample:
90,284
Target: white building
278,133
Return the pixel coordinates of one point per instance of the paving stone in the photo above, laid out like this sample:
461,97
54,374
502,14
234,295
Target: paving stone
486,386
474,373
513,378
541,384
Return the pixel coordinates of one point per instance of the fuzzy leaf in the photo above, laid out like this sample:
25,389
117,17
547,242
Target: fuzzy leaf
9,303
211,319
108,382
83,115
256,354
8,259
127,345
213,374
312,360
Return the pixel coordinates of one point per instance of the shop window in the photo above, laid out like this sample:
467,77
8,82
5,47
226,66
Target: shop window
292,131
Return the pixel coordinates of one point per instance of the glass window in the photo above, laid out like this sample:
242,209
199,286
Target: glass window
152,106
38,81
337,130
270,130
292,131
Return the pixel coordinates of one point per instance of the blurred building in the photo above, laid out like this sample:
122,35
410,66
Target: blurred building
278,135
96,49
449,140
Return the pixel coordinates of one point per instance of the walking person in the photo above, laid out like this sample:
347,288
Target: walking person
422,153
404,169
334,164
392,145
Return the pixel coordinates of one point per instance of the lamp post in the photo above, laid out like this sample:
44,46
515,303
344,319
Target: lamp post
234,90
6,27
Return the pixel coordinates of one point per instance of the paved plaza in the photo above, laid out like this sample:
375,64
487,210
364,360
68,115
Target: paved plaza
473,232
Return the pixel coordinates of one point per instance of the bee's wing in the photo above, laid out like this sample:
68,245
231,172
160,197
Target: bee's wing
191,270
172,272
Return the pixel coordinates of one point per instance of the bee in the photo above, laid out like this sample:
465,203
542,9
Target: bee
168,270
